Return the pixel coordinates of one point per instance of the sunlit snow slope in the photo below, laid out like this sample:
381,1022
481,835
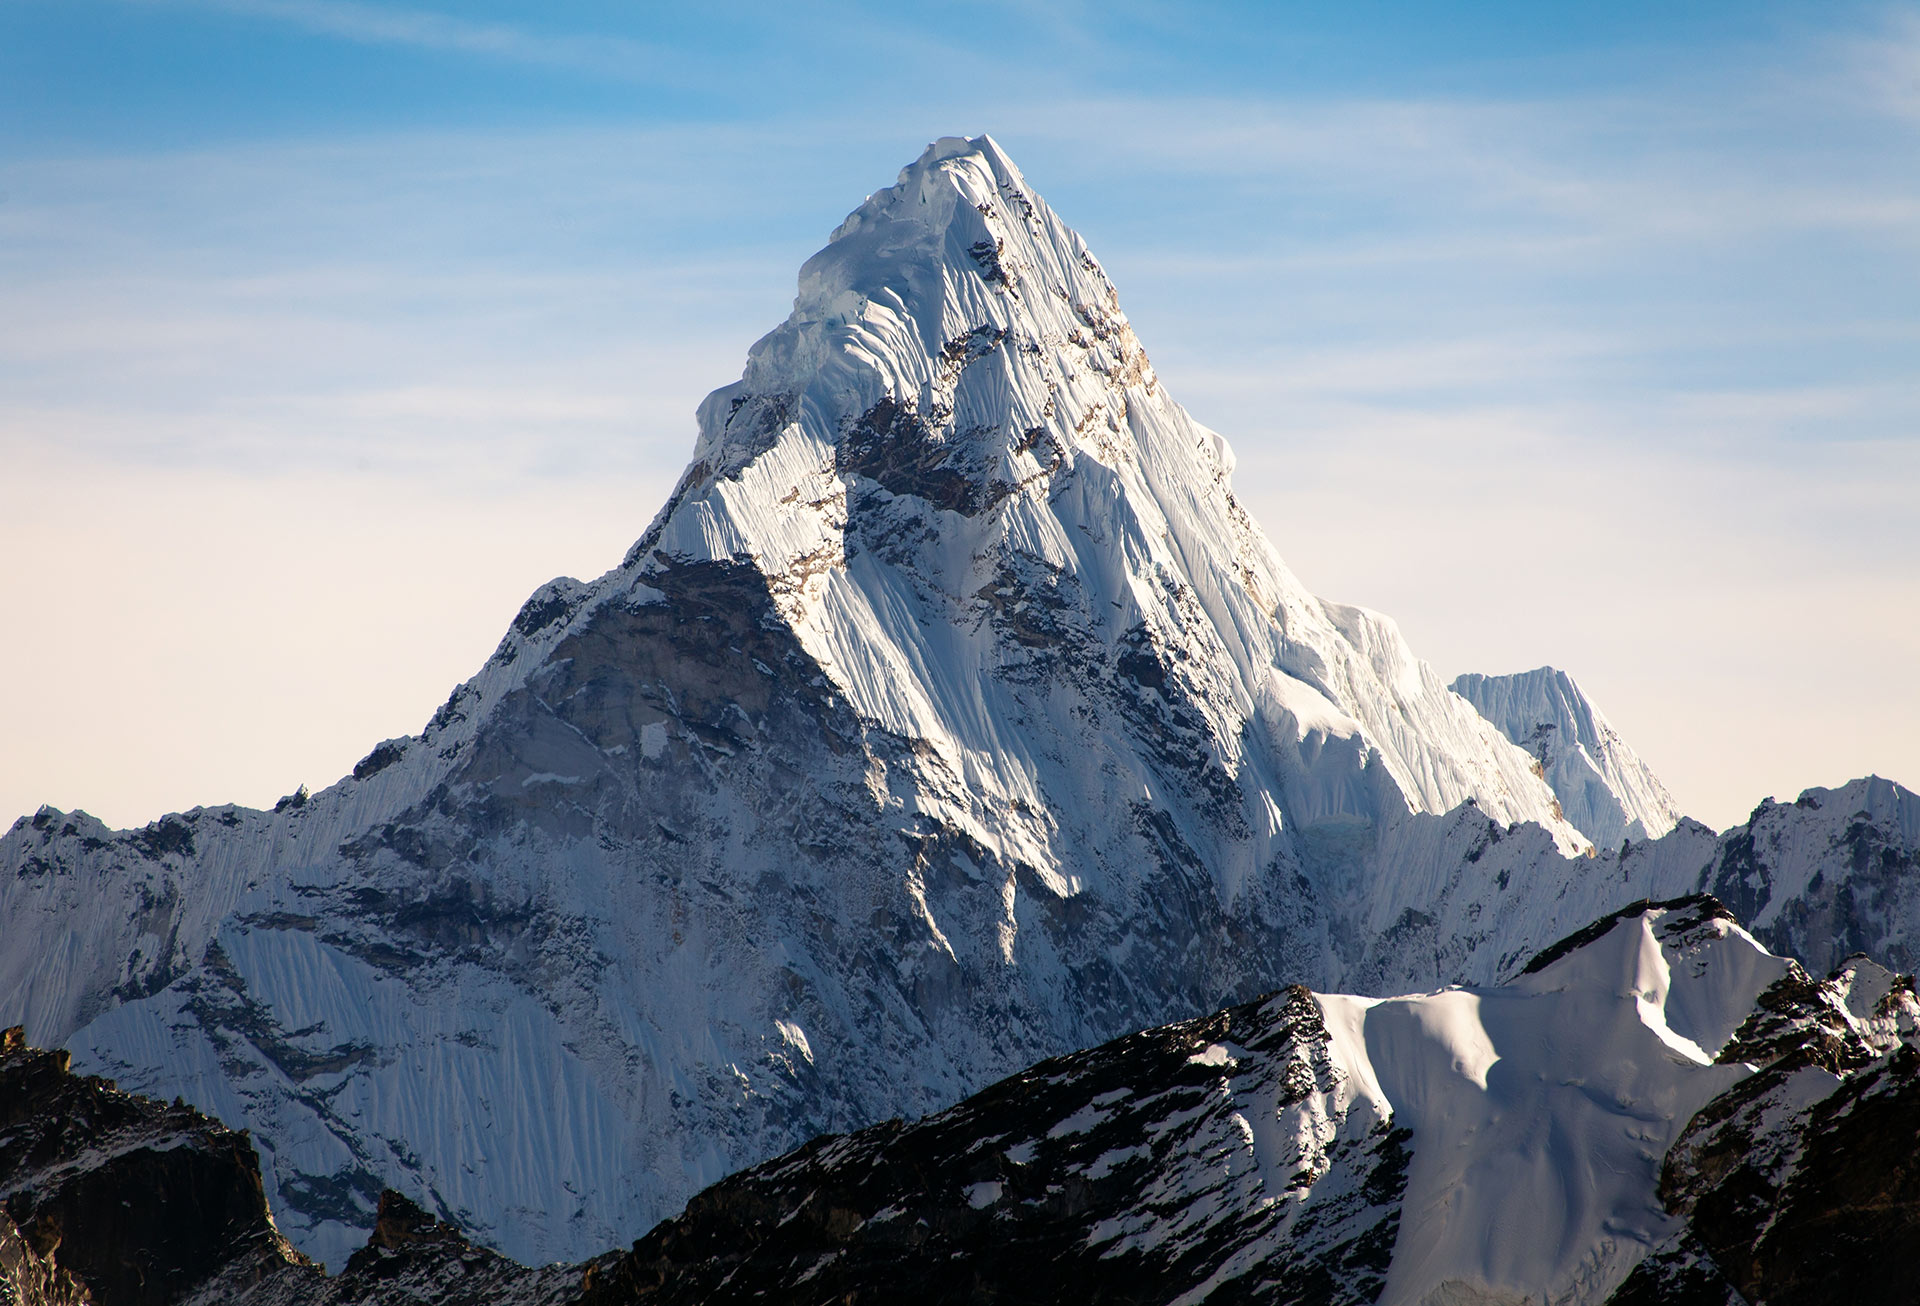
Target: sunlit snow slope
1486,1146
1603,786
950,715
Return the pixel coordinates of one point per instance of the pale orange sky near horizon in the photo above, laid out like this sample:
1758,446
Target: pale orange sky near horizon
199,640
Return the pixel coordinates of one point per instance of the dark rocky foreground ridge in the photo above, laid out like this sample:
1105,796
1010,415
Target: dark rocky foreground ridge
1231,1158
119,1200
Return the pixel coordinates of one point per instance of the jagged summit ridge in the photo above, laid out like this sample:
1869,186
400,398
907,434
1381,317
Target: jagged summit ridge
957,427
1603,786
956,263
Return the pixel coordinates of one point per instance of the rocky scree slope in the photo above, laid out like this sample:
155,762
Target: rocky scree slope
1657,1110
952,714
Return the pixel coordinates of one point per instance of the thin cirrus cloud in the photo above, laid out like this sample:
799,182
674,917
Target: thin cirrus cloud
1886,64
604,55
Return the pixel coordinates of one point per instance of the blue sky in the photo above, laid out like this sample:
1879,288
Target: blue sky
1562,333
171,72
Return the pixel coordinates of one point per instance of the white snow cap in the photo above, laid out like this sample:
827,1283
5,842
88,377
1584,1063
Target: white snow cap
1603,786
959,244
958,361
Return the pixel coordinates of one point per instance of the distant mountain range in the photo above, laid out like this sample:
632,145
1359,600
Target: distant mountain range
952,715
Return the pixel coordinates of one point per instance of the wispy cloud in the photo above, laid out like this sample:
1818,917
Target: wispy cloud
1599,165
605,55
1885,63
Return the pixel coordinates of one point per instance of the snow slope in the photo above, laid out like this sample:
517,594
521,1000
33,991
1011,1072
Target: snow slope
1541,1110
950,715
1477,1146
1603,786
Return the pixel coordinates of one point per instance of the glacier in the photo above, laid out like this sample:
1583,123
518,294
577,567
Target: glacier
951,714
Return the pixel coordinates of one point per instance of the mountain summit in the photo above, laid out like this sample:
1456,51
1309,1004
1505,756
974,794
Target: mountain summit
966,489
1603,786
952,714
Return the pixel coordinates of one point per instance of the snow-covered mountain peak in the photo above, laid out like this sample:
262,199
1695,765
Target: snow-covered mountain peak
1603,786
952,713
957,262
960,475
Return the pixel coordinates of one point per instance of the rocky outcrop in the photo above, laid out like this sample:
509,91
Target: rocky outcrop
133,1201
1833,873
414,1258
1801,1185
112,1199
1121,1175
30,1276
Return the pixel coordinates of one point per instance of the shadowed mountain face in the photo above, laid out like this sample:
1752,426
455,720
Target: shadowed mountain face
1657,1111
951,715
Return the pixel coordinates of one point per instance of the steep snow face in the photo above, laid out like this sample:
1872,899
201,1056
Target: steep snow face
1603,786
969,493
1540,1111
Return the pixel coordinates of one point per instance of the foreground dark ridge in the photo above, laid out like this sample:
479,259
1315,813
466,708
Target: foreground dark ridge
118,1200
1260,1154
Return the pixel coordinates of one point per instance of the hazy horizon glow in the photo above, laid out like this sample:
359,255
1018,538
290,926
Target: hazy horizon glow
335,328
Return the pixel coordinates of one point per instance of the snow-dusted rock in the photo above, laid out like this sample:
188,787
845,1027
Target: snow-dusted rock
1656,1111
1604,788
1468,1147
1835,872
1800,1184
